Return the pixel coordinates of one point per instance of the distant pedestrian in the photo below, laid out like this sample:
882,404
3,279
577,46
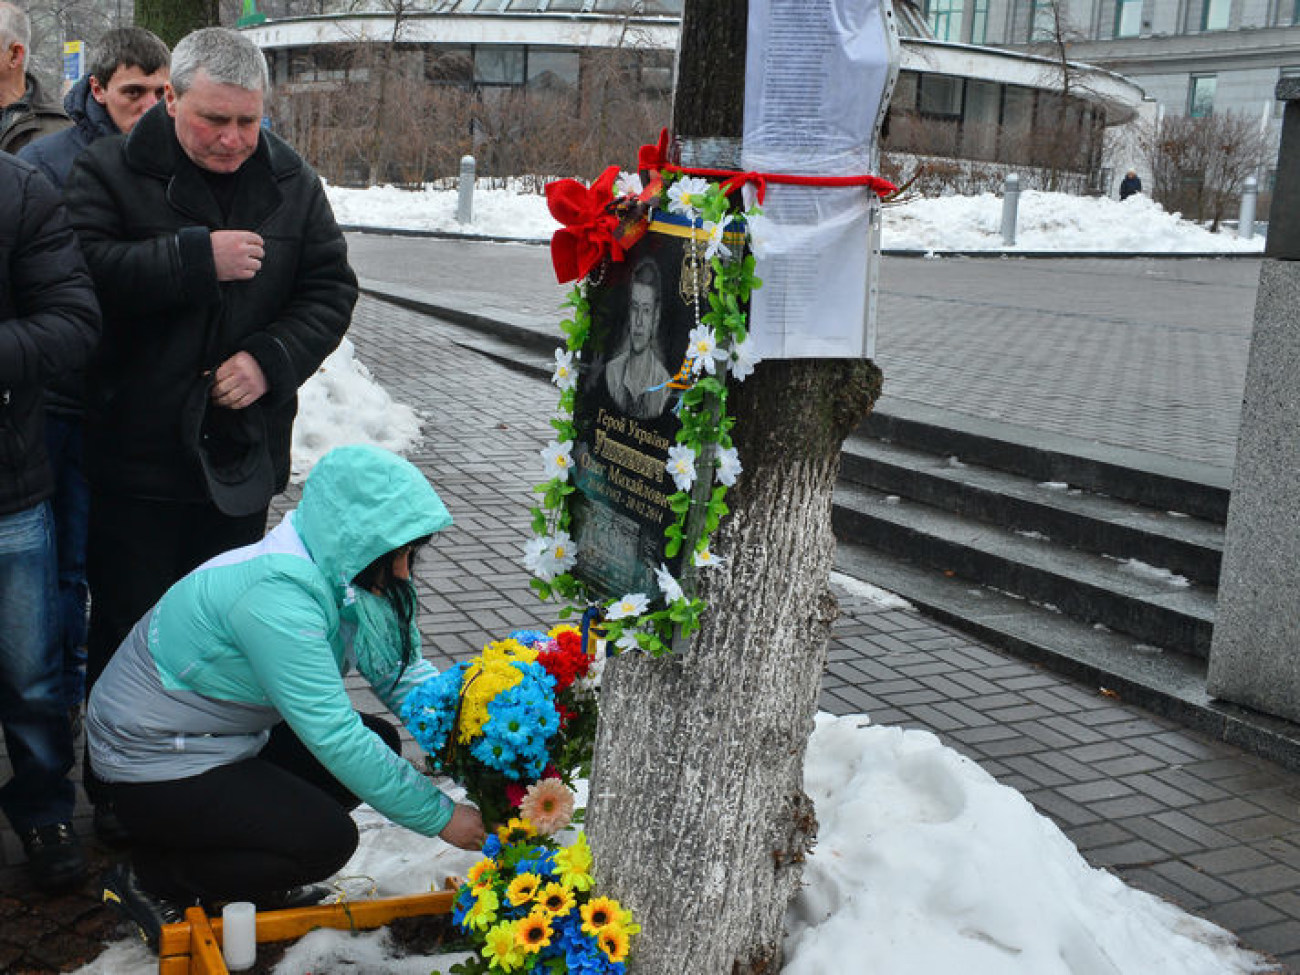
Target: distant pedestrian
48,323
26,111
1129,185
128,70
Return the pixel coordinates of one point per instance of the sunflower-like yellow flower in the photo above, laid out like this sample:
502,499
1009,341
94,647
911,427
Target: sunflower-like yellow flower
534,932
501,948
484,912
523,889
574,863
481,874
599,913
515,830
556,900
614,942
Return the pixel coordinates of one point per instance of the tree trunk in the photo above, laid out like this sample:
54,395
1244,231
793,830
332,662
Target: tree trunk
697,814
173,19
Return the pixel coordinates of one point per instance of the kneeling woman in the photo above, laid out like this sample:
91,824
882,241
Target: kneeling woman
222,726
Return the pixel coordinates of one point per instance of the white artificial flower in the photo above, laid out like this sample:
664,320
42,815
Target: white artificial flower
705,559
628,184
749,195
728,466
702,350
565,376
562,552
681,465
744,359
558,458
716,246
686,196
533,549
627,641
668,585
633,604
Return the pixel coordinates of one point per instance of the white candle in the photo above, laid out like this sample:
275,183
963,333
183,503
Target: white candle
239,935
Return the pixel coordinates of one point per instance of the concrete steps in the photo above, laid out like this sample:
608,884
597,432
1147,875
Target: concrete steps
962,499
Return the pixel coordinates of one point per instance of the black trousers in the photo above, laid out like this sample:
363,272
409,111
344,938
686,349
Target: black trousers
242,831
136,548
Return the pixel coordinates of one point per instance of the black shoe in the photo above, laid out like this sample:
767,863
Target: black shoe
148,912
283,900
54,857
109,829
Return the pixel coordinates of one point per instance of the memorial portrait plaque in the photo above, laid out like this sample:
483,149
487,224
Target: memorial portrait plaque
642,312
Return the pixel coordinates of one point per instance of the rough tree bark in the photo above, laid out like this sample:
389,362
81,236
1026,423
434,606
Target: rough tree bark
173,19
697,814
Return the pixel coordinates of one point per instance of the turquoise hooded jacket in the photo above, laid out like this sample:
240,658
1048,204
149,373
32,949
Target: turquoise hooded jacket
266,632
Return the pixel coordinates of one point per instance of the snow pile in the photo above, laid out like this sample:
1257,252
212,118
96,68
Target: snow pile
1051,222
924,864
497,213
342,404
1047,221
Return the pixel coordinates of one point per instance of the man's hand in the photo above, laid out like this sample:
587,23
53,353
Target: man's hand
239,382
465,829
237,253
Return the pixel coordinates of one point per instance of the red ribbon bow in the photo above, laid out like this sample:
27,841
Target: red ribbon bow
590,230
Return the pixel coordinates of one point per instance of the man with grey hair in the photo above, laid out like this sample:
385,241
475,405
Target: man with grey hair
225,283
25,110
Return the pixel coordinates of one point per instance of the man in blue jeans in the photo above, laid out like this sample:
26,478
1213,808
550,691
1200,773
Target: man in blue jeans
49,322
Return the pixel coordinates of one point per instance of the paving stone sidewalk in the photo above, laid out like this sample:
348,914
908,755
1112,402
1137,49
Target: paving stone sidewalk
1198,822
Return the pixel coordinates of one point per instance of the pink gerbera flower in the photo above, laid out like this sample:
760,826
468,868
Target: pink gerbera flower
548,805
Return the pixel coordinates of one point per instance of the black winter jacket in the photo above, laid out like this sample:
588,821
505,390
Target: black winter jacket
54,155
144,213
49,321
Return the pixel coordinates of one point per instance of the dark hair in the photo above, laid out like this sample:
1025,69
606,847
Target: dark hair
647,272
378,577
127,47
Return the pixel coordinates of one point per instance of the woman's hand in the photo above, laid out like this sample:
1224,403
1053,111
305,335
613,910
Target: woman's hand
465,829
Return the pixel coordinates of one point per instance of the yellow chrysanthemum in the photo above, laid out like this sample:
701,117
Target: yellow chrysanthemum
574,864
534,932
481,874
556,900
501,949
515,830
613,941
484,912
523,889
599,913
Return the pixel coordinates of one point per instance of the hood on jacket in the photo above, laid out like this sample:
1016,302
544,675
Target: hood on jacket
360,502
86,113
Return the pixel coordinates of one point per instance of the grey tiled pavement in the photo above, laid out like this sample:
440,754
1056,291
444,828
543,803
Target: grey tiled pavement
1193,820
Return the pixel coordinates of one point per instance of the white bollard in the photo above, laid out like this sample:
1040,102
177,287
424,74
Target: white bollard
1246,220
1010,204
465,191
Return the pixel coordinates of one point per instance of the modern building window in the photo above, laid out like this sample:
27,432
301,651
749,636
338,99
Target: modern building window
944,17
940,96
552,69
1214,14
1042,20
1128,18
1200,95
499,65
979,21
